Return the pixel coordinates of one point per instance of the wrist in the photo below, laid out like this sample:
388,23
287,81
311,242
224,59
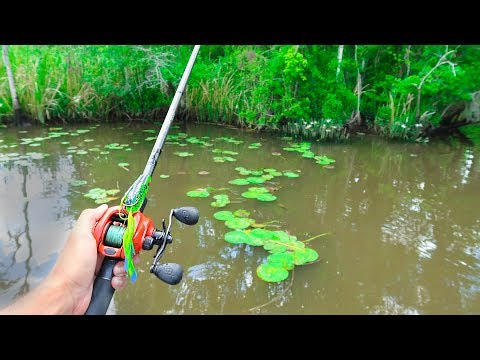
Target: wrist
49,298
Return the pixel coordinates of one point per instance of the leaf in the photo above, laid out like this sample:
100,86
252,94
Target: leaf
241,213
308,155
303,256
281,236
203,173
258,189
198,193
236,237
123,164
223,215
112,191
284,259
271,273
238,223
266,197
183,154
273,247
250,194
239,182
78,182
221,197
256,172
269,170
262,234
290,174
164,176
219,204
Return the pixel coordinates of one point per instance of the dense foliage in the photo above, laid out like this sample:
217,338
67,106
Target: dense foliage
395,90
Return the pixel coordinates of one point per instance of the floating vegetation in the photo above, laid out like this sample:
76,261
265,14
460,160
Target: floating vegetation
123,164
223,159
290,174
285,250
324,160
230,140
102,196
221,200
163,176
201,193
183,154
203,172
239,182
78,182
254,146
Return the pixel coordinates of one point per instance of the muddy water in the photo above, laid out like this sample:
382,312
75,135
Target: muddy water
404,221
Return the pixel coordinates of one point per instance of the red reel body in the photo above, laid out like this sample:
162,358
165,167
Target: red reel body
143,227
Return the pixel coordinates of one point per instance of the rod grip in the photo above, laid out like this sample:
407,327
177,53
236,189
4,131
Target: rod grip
102,288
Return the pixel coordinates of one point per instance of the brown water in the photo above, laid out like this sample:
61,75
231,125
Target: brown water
404,219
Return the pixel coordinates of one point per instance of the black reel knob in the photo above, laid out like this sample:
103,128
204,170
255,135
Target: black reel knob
186,214
148,243
171,273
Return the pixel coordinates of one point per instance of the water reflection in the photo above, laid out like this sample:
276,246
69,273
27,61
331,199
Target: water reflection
403,217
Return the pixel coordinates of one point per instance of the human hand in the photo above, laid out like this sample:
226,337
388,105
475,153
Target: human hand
79,262
68,288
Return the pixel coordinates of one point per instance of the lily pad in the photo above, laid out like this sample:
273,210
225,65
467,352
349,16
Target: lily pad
164,176
284,259
308,155
241,213
183,154
258,189
269,170
112,191
198,193
254,241
250,194
239,182
271,273
236,237
123,164
266,197
262,234
78,182
290,174
238,223
81,152
304,256
203,172
223,215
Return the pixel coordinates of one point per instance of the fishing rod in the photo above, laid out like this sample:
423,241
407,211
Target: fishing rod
124,230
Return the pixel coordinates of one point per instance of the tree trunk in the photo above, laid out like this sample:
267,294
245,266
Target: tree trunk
13,90
339,58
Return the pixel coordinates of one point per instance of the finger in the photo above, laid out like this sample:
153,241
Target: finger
119,282
136,259
89,217
119,269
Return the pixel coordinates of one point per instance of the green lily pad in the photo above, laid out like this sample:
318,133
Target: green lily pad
198,193
164,176
81,152
262,234
228,152
112,192
304,256
236,237
254,241
239,182
283,259
220,204
104,152
267,177
228,158
290,174
183,154
223,215
266,197
256,172
78,182
250,194
271,273
308,155
258,189
241,213
221,197
289,149
281,236
276,173
238,223
269,170
123,164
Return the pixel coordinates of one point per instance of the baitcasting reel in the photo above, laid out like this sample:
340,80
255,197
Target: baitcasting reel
109,235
